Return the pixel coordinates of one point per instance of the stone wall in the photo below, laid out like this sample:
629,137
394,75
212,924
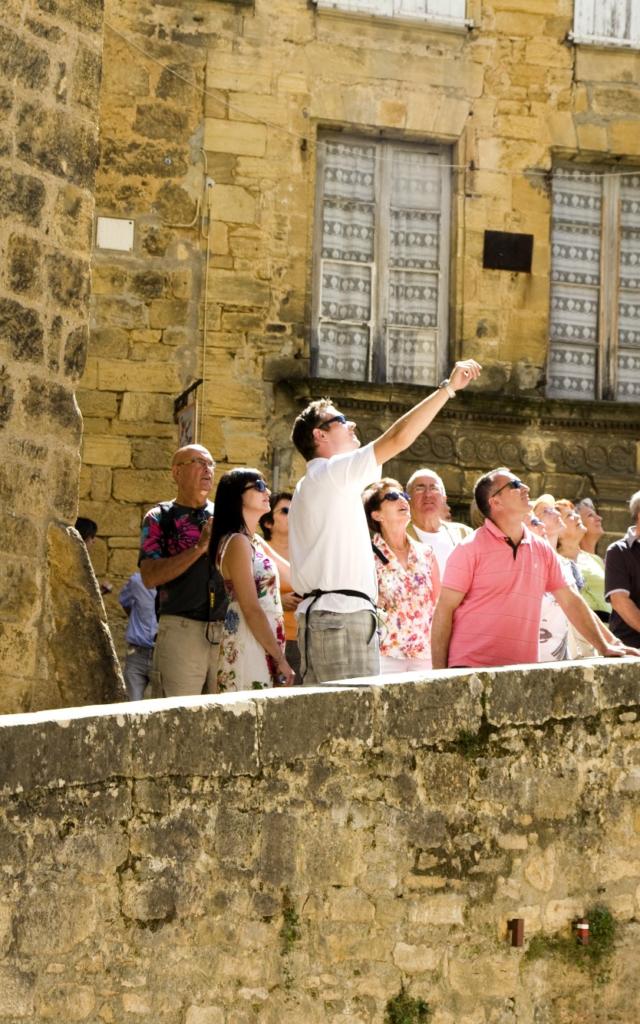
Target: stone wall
239,92
55,647
309,855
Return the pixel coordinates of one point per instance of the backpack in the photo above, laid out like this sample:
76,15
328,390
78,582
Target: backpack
218,599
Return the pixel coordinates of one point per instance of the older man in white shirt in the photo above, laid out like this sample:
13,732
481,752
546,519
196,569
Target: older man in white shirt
428,501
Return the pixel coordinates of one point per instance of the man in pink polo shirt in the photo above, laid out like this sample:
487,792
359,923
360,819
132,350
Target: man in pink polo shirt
488,613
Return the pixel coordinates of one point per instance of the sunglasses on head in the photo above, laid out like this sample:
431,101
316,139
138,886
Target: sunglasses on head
513,485
334,419
256,485
394,496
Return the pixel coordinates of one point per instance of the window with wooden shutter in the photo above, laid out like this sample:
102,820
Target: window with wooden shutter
445,11
608,22
594,344
381,261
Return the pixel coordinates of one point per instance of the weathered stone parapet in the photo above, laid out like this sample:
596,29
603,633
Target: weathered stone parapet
308,855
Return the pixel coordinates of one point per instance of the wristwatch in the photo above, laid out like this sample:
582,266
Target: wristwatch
445,385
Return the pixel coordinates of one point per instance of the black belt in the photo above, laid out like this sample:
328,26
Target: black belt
315,594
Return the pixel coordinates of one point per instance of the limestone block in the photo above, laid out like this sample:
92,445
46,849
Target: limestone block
485,976
80,650
539,869
537,694
167,312
592,137
142,485
418,710
416,959
67,1000
121,311
145,406
106,451
137,1003
606,65
17,989
350,905
233,205
113,518
441,909
624,137
451,117
205,1015
237,72
201,738
392,112
121,375
123,562
243,138
558,914
519,23
18,652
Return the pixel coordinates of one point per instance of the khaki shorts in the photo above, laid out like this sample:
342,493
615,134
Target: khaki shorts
185,663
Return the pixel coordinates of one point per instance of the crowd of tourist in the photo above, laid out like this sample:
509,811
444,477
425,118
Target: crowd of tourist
355,574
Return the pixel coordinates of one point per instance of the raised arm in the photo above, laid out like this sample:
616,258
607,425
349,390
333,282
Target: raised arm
442,625
404,431
156,571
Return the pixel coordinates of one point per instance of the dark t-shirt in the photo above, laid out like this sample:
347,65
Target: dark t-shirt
622,572
168,529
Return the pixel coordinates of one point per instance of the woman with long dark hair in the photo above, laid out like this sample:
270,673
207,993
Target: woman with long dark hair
252,648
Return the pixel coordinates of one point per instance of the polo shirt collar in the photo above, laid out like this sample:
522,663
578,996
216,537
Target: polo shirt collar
499,535
631,537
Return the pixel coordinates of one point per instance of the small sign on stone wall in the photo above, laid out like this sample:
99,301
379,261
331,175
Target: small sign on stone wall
114,233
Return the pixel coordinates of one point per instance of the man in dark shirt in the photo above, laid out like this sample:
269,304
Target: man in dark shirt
174,558
622,580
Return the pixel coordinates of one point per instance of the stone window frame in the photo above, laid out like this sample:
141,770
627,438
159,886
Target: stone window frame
598,23
377,369
404,11
606,383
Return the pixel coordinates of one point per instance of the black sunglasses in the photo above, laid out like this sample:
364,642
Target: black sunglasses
394,496
334,419
513,485
256,485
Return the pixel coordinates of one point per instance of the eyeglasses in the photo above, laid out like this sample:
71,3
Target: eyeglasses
513,485
256,485
197,461
334,419
394,496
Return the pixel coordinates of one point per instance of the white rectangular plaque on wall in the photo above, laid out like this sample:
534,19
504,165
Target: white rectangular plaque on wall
114,233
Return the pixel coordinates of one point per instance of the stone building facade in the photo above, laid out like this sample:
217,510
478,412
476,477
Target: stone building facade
331,857
255,147
55,646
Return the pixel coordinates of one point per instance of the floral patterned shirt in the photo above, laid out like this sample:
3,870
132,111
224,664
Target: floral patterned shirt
406,599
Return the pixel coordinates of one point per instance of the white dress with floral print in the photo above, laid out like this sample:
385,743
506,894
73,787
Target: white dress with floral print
406,601
244,664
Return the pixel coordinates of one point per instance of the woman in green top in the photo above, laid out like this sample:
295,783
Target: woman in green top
591,565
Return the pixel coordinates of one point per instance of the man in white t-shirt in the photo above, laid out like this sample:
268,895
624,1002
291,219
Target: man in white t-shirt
428,500
332,564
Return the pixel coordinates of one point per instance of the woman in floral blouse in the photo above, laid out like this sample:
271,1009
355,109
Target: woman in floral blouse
252,647
408,580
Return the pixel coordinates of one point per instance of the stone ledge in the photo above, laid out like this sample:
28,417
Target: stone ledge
240,734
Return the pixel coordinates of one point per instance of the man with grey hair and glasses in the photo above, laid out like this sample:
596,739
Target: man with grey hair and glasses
429,525
622,580
174,558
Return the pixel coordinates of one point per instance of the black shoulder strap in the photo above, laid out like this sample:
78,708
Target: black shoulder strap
378,553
